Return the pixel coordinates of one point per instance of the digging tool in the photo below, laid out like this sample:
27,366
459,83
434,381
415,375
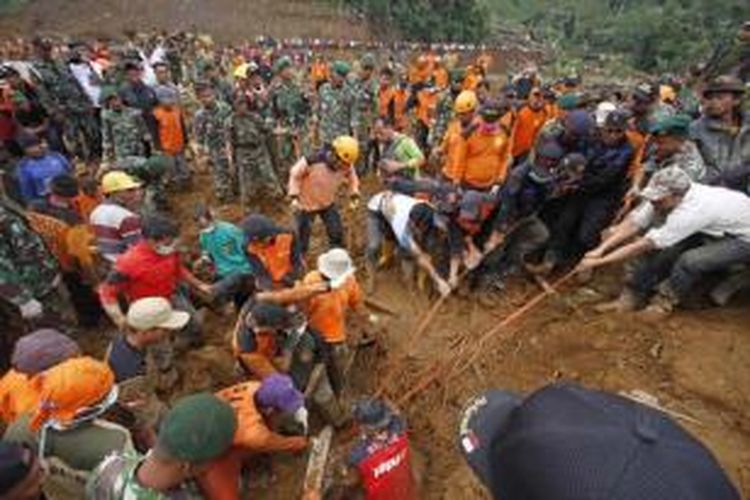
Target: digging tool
316,464
380,306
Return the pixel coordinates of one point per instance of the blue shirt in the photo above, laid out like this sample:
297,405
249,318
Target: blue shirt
225,244
35,174
125,361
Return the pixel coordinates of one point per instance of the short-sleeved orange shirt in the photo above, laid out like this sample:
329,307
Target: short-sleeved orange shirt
327,312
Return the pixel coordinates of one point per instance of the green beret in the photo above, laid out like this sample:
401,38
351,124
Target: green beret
199,428
367,61
569,101
341,68
677,125
282,64
107,93
458,75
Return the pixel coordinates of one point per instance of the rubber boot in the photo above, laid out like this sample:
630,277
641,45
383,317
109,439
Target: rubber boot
333,413
724,291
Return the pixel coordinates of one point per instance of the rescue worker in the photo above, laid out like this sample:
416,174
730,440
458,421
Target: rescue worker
273,253
256,405
454,143
212,133
444,111
65,425
222,246
116,225
172,466
141,359
152,268
327,311
723,135
366,89
425,100
381,460
33,354
314,184
401,155
529,121
693,230
412,222
125,132
335,110
482,160
673,147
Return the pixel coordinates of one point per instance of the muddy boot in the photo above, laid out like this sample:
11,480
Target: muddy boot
626,302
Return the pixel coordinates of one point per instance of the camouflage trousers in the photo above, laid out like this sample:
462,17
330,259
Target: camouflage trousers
221,172
82,134
257,176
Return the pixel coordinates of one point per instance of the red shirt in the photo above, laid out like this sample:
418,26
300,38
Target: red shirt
141,272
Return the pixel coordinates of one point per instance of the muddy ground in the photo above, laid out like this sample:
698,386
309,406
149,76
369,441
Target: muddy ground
697,363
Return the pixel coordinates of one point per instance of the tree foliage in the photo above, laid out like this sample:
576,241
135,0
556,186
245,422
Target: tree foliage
429,20
655,35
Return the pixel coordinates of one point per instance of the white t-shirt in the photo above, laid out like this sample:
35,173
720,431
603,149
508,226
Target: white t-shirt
395,208
714,211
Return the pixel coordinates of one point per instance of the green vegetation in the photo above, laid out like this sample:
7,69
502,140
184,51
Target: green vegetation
428,20
652,34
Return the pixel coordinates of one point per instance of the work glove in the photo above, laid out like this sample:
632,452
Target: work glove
31,309
354,202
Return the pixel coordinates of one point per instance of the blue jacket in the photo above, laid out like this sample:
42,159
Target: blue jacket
34,175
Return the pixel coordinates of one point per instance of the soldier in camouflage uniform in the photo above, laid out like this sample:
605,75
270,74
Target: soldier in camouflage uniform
30,279
335,113
211,129
65,101
124,131
366,90
444,110
211,423
249,140
153,172
291,110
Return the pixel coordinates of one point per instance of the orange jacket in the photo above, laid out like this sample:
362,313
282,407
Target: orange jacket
276,257
527,127
454,151
400,100
260,361
171,132
638,140
317,185
473,77
252,432
442,77
86,204
19,394
327,312
486,161
319,71
426,105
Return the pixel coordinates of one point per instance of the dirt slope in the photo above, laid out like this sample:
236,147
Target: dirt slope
226,20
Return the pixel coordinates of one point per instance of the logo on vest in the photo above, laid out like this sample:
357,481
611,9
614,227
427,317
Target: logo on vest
389,464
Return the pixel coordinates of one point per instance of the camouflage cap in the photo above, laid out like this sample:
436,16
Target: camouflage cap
666,182
675,125
341,68
367,61
282,63
197,429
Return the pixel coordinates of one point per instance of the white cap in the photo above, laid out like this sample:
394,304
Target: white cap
336,264
602,111
155,312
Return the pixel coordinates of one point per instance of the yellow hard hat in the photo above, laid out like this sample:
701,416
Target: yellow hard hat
667,94
466,102
118,180
240,72
346,148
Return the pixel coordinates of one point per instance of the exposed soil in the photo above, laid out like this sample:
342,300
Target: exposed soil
695,363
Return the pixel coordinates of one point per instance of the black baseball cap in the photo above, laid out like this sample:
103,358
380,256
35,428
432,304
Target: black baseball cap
565,442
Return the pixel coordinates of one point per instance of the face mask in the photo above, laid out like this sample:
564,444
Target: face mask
165,249
208,228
